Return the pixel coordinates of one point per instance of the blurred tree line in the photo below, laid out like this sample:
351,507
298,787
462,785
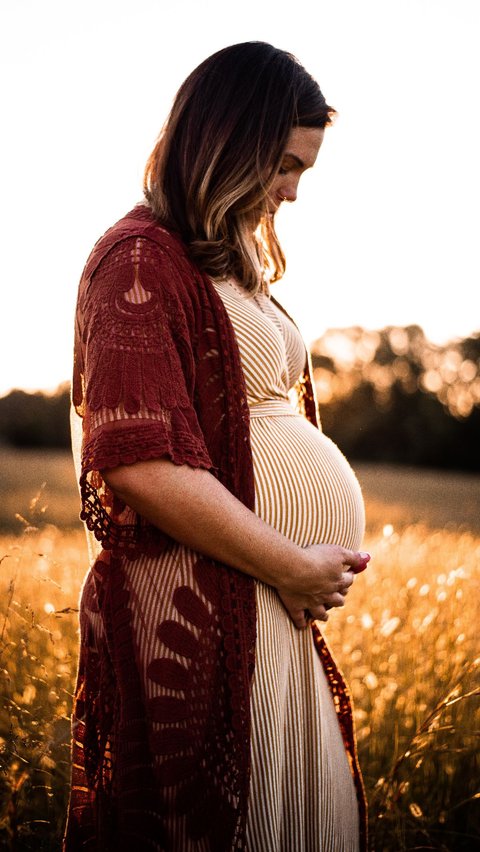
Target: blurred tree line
393,396
386,396
31,420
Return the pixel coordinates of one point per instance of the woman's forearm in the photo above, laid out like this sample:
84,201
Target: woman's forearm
194,508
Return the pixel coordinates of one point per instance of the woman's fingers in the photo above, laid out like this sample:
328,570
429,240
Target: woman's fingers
333,572
346,581
317,610
299,617
357,561
330,562
317,613
335,599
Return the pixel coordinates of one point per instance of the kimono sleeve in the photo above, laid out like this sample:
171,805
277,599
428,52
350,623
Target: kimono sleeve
138,362
134,380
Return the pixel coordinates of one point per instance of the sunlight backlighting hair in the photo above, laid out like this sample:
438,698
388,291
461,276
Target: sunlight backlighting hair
219,151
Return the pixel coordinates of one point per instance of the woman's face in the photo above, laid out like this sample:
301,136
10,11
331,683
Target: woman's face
301,151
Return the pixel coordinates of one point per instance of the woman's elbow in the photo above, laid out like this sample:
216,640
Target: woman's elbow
130,481
119,479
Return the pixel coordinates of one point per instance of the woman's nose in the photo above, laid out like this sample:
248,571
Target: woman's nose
288,190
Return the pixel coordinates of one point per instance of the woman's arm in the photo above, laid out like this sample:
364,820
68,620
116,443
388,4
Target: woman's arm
194,508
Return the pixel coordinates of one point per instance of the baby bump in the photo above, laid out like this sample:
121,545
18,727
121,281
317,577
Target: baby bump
304,486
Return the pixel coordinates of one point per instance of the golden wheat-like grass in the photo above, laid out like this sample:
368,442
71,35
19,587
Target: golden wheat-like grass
407,642
40,576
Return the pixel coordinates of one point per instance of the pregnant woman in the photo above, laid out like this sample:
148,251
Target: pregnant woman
210,715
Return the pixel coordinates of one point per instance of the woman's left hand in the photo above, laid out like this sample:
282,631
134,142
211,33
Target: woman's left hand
319,612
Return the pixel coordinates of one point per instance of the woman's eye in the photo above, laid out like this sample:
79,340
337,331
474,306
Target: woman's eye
282,170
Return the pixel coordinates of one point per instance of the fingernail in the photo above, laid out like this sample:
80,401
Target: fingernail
363,564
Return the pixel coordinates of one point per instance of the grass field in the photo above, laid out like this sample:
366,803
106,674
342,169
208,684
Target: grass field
407,642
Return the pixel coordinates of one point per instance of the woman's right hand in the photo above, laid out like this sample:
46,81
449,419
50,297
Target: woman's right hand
321,582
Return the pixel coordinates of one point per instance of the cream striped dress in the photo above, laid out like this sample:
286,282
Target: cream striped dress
302,797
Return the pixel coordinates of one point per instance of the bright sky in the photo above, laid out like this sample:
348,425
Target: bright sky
386,227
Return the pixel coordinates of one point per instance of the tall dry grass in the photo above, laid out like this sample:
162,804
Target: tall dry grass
40,576
407,642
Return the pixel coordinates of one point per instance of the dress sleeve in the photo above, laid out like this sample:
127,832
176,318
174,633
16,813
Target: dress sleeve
137,374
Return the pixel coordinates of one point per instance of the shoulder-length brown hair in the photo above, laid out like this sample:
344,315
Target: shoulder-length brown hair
222,144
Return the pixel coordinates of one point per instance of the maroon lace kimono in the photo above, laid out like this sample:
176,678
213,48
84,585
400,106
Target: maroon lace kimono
161,728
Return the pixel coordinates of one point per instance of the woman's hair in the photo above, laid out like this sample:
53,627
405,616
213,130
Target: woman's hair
219,151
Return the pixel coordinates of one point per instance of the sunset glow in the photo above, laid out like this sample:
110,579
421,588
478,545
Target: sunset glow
384,231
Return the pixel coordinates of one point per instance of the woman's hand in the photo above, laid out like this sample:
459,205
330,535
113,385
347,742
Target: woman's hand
327,573
194,508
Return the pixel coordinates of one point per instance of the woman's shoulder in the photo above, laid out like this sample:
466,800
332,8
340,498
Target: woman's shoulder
141,222
141,230
140,269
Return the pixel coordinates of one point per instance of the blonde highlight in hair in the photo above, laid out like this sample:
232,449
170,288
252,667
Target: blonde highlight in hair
209,174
